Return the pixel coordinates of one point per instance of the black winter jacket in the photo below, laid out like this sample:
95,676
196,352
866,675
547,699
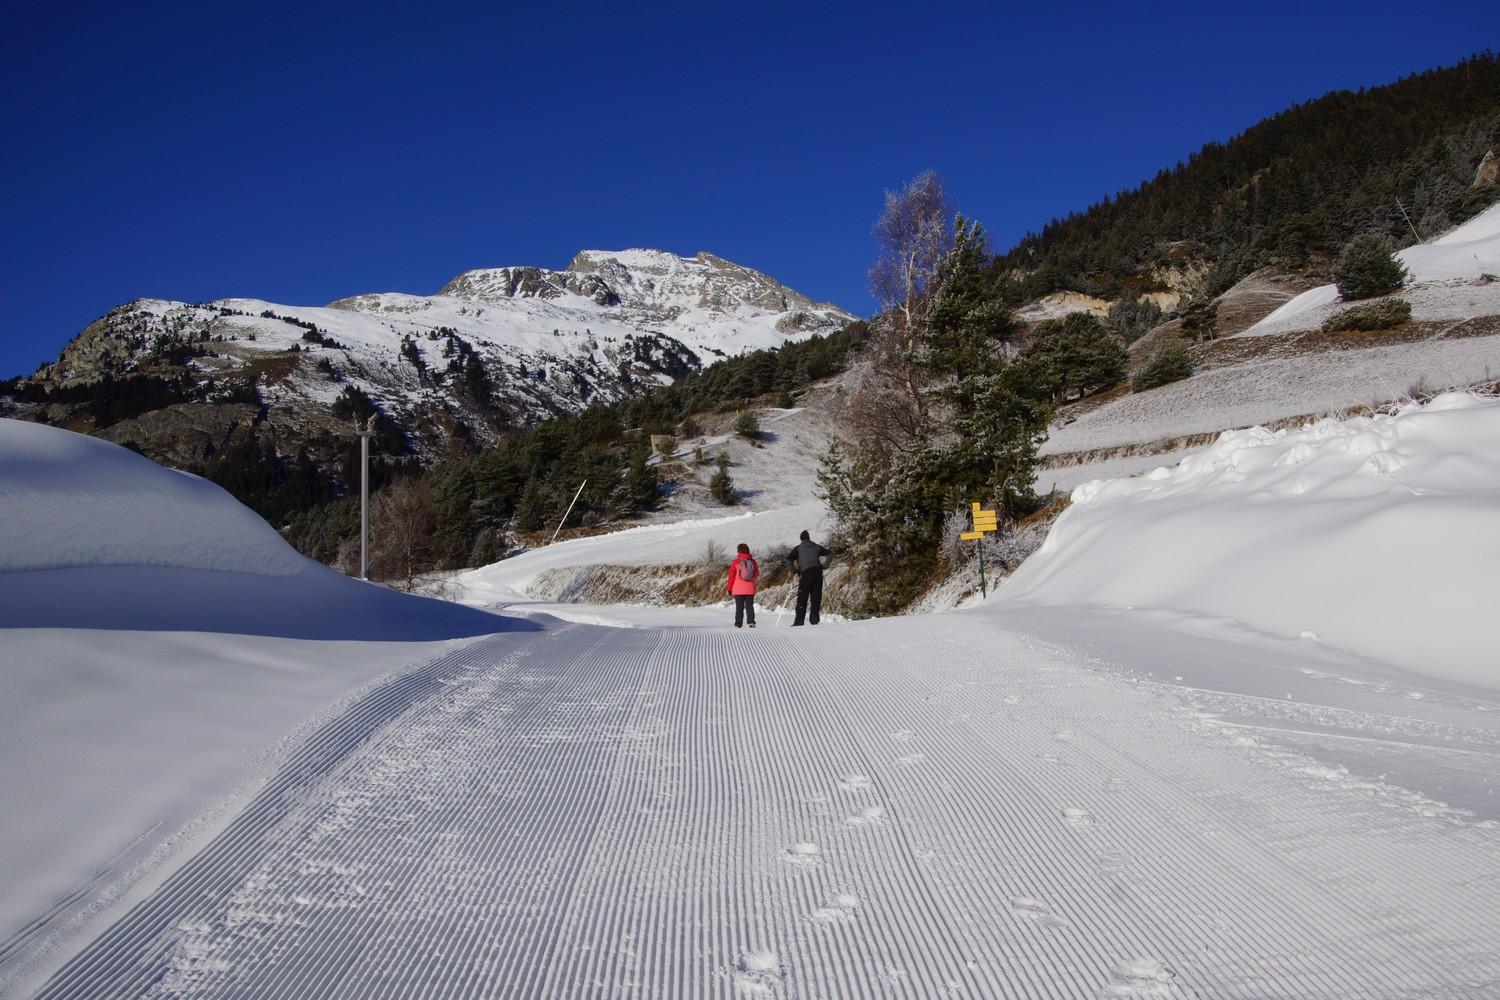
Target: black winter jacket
808,556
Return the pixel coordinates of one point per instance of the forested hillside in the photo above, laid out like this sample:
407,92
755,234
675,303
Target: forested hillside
467,509
1290,188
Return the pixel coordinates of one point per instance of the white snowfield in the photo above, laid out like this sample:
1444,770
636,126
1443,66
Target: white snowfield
1016,800
1452,277
1380,535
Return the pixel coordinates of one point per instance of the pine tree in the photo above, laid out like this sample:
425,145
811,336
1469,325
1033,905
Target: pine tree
1368,267
1200,320
532,508
721,486
1074,356
976,438
638,487
747,425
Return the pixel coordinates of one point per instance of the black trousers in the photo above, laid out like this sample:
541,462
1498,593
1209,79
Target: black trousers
809,590
744,609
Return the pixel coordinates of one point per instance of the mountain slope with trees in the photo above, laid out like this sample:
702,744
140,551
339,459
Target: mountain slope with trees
1287,192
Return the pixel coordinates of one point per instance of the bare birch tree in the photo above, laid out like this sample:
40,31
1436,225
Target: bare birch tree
914,234
403,525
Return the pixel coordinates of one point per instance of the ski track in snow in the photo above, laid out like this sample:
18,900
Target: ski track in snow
921,808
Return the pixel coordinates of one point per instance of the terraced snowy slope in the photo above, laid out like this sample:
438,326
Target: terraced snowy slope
923,807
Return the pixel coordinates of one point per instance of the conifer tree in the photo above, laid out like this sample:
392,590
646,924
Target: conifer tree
638,487
1074,356
1368,267
721,486
747,425
982,420
532,507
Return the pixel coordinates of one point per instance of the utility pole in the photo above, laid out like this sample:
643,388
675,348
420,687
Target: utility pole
365,433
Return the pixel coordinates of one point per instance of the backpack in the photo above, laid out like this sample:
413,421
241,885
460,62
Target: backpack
747,568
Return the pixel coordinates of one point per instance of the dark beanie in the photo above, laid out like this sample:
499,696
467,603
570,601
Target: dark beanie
805,536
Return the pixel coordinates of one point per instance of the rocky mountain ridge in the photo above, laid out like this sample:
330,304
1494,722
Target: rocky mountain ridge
545,341
189,384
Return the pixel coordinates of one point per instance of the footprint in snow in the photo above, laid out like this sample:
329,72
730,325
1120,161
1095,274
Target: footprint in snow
1064,734
903,735
1036,911
868,816
757,973
907,760
1143,979
854,783
803,855
1076,817
1013,699
1114,786
839,909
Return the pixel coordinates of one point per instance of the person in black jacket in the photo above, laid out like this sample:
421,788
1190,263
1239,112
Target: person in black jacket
808,559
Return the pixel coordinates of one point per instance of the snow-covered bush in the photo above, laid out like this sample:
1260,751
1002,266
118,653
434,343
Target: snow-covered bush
1168,364
1380,315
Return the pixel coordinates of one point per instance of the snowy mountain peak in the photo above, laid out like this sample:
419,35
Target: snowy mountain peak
494,347
663,286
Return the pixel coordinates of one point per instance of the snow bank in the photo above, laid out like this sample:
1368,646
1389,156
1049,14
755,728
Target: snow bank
95,536
111,740
1380,535
1471,250
73,500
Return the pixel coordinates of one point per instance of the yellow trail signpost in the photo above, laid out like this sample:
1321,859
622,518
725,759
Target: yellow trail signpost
985,522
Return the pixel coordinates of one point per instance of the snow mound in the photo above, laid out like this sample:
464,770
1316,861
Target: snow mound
74,500
1463,256
1380,535
95,536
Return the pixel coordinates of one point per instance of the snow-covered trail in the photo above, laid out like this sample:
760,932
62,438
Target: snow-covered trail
921,807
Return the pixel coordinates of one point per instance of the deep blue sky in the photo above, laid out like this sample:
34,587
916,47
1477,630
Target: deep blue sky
193,152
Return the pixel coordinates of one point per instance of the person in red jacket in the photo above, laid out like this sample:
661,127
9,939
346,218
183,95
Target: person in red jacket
743,573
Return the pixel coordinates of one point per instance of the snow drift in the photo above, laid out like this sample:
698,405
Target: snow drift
1380,535
95,536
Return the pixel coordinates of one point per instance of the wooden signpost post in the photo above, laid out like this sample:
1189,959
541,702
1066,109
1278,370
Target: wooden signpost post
985,522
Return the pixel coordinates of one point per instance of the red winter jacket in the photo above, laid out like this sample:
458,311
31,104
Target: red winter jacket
737,586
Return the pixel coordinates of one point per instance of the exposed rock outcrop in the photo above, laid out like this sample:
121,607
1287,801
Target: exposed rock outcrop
1488,173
